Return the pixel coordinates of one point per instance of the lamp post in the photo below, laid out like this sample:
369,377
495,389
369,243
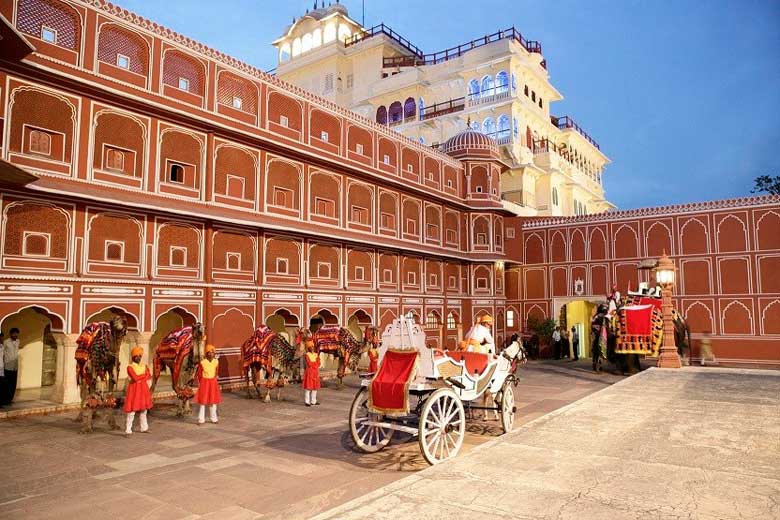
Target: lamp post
664,275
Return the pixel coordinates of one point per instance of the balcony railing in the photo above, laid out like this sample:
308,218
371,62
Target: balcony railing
387,31
568,122
545,145
501,137
443,108
490,95
418,59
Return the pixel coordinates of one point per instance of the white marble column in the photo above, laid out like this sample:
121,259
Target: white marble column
66,390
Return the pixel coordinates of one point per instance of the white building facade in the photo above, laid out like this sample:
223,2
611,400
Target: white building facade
497,84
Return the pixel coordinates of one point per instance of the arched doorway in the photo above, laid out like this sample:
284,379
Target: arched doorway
454,331
358,322
578,314
283,322
433,329
37,369
321,318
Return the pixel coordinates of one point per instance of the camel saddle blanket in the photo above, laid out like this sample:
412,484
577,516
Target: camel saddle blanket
176,346
638,330
257,348
327,339
95,338
389,390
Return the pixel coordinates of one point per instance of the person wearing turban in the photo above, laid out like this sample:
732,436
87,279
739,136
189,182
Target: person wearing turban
208,387
138,398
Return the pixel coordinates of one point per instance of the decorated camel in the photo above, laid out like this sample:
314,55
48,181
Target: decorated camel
267,351
180,352
341,344
97,370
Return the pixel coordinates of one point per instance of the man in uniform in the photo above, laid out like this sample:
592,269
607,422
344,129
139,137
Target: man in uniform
479,338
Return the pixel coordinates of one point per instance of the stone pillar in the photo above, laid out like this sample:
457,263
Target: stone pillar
66,390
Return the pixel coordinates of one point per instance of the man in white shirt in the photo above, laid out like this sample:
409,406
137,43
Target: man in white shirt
479,338
10,366
556,339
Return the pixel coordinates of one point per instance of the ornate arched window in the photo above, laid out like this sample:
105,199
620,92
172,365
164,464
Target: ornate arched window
284,53
488,86
474,89
381,115
489,126
452,323
410,109
396,112
503,126
296,47
502,82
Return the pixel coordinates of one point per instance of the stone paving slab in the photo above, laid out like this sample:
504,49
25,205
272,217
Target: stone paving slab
665,444
271,461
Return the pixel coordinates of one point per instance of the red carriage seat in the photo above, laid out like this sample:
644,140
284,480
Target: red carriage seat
389,390
475,361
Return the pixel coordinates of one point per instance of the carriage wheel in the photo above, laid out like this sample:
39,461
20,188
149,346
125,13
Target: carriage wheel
507,407
442,426
368,439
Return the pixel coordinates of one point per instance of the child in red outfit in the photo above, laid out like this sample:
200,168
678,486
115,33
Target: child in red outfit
208,387
137,398
373,357
311,376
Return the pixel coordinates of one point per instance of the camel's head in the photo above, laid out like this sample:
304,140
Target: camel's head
198,340
119,330
371,337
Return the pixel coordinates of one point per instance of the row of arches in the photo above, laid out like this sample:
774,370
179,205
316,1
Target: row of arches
398,113
490,85
312,40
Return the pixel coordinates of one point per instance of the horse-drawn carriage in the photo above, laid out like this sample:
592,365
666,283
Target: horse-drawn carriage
425,392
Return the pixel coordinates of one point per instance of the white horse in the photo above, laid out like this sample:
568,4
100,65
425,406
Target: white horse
515,354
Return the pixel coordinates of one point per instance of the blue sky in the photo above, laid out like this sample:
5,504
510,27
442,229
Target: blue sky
683,96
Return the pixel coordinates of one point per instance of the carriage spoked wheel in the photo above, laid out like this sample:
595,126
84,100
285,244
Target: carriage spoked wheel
507,404
442,426
367,438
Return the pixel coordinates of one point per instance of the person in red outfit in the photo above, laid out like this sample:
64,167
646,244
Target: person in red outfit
311,376
373,357
137,398
208,387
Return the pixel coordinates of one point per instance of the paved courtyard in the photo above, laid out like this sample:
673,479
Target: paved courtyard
278,460
697,443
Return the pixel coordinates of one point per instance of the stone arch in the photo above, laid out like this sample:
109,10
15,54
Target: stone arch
116,227
321,121
557,247
37,216
329,254
279,105
229,329
31,15
181,234
386,318
699,318
388,149
30,108
625,243
37,364
733,235
534,249
279,247
124,132
114,39
736,319
597,245
107,313
770,318
577,246
232,163
226,242
535,311
768,236
284,175
326,187
658,241
177,64
357,135
358,321
321,318
696,239
231,86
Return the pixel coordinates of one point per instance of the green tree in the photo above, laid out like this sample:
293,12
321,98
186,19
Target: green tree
767,184
542,328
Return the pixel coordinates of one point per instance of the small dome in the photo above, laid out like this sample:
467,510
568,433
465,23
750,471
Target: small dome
338,8
470,143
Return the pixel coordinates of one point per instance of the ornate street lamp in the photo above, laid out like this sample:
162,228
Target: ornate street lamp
664,275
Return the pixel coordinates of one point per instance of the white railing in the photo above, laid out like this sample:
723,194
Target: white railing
488,96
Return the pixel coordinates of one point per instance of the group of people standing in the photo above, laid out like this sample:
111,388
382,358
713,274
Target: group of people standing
562,340
9,365
138,398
